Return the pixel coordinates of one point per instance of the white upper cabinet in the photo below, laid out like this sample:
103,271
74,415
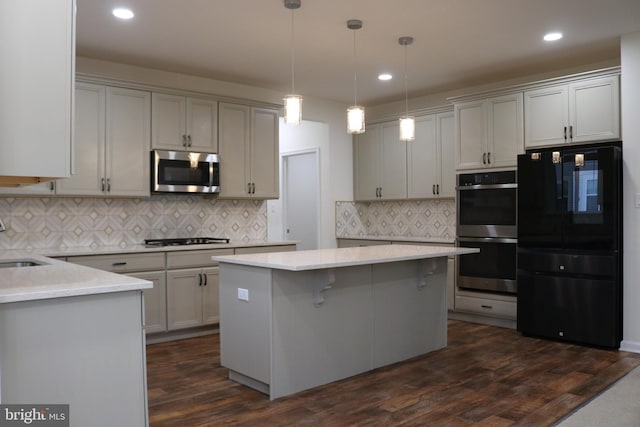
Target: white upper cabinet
38,61
113,134
489,132
582,111
430,157
249,152
380,163
184,123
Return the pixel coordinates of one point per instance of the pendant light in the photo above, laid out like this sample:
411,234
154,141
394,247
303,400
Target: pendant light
407,122
292,102
355,113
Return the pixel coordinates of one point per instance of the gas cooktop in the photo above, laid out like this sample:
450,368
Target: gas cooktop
185,241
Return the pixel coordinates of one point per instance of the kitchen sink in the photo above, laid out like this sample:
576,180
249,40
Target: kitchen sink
20,263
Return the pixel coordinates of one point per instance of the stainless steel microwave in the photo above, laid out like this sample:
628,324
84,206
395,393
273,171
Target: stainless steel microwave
184,172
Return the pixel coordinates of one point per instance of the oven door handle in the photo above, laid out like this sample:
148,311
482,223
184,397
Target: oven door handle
486,186
487,239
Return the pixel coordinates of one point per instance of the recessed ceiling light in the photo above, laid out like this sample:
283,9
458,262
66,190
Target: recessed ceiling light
551,37
385,76
122,13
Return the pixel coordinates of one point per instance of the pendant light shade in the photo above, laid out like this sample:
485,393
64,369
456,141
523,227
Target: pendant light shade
355,119
292,109
292,102
407,122
355,113
407,128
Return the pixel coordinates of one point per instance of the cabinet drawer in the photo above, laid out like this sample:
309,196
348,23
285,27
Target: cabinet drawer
265,249
488,307
199,258
122,263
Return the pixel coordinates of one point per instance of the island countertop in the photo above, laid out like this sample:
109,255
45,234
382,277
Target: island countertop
57,279
341,257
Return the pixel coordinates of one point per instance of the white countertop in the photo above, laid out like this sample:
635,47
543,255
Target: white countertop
58,279
341,257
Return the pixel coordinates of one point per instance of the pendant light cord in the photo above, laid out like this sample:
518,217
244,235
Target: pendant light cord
406,78
355,73
292,53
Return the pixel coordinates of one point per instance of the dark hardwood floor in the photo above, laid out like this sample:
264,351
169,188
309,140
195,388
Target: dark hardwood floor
487,376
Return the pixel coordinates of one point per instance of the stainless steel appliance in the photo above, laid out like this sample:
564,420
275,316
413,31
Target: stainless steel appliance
185,241
486,219
570,244
184,172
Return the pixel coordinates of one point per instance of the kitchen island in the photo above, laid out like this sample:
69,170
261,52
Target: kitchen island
72,335
290,321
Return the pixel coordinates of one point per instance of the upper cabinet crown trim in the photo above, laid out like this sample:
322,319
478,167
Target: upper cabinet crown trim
111,81
603,72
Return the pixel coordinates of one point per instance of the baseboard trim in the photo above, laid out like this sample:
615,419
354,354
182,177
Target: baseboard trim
485,320
630,346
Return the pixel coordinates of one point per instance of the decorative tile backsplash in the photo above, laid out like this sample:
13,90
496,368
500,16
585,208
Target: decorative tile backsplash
419,218
50,222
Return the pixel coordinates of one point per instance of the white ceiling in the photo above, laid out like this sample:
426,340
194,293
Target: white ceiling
457,42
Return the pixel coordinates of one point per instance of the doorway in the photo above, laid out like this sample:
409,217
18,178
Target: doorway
301,197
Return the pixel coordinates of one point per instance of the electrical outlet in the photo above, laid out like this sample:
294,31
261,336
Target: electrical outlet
243,294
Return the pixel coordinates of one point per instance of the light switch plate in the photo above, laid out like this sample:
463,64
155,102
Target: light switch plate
243,294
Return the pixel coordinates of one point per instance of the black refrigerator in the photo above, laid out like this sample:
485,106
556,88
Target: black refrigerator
570,244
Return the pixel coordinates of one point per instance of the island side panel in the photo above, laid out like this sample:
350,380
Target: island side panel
85,351
321,343
245,326
409,309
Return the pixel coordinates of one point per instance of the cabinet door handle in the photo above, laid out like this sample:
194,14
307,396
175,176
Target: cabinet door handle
119,264
199,279
184,141
204,276
489,158
437,188
571,133
188,140
484,158
486,306
248,187
254,188
433,189
102,187
52,185
565,134
108,185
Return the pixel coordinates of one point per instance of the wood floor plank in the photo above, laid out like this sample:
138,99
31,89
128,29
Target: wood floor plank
486,376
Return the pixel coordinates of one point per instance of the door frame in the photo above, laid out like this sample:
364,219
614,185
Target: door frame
284,168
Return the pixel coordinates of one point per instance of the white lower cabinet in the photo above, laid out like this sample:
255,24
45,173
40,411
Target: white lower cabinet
192,297
501,306
192,288
147,266
155,301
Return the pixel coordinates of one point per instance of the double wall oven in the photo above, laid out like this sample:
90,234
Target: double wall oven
486,219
